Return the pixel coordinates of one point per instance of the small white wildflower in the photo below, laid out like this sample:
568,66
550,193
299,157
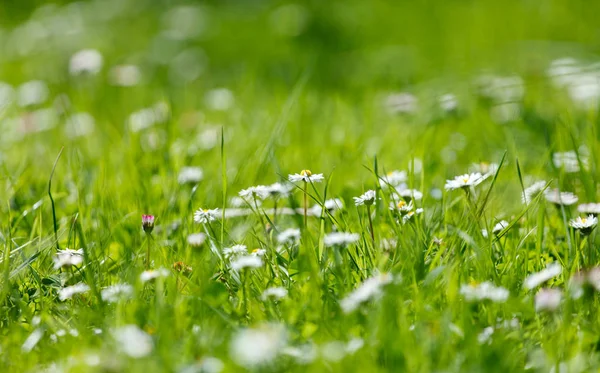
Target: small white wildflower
125,75
354,345
370,289
548,299
255,347
330,205
31,93
584,225
340,238
533,190
307,176
69,291
220,99
235,251
409,194
87,61
255,192
499,227
290,235
485,335
368,198
484,291
152,274
560,198
536,279
278,190
274,292
258,252
32,340
116,292
464,181
569,161
448,102
133,341
249,261
190,175
401,103
206,215
196,239
410,214
589,208
303,354
393,178
68,258
402,206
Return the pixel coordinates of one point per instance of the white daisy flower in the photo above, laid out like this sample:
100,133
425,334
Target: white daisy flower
248,261
410,214
190,175
584,225
258,252
69,291
241,202
561,198
133,341
533,190
330,205
340,239
393,178
258,192
484,291
368,198
486,169
235,251
409,194
87,61
256,347
370,289
274,292
589,208
116,292
303,354
464,181
206,215
401,103
548,299
448,102
278,190
290,235
152,274
307,176
536,279
68,258
196,239
485,335
499,227
568,161
34,92
402,207
125,75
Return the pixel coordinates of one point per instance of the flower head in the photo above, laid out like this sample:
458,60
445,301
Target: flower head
248,261
584,225
206,215
190,175
331,205
484,291
235,251
133,341
307,176
183,268
368,198
536,279
340,239
255,192
69,291
152,274
116,292
533,190
589,208
274,292
196,239
68,258
371,288
290,235
148,223
464,181
278,190
258,252
85,61
256,347
560,198
548,299
499,227
409,194
394,178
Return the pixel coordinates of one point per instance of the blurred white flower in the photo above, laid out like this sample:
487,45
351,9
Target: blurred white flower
370,289
290,235
485,335
190,175
206,215
196,239
69,291
340,238
125,75
303,354
406,217
255,347
536,279
464,181
255,192
278,190
589,208
569,161
401,103
548,299
330,205
274,292
220,99
86,61
32,340
584,225
533,190
79,124
499,227
235,251
448,102
484,291
560,198
34,92
248,261
114,293
368,198
393,178
258,252
68,258
307,176
152,274
208,364
408,194
133,341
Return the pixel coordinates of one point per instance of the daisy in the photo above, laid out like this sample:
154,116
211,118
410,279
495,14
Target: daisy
148,223
484,291
248,261
258,252
275,293
410,214
116,292
486,169
584,225
68,258
393,178
561,198
125,75
448,102
548,299
409,194
235,251
255,192
290,235
196,239
568,161
278,190
368,198
464,181
371,288
307,176
206,215
69,291
402,207
533,190
87,61
133,341
340,239
259,346
536,279
190,175
154,274
589,208
330,205
499,227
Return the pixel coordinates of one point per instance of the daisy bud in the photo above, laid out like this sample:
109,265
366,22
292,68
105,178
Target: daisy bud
148,223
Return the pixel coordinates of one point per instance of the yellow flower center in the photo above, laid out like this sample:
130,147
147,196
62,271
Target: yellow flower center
255,251
205,210
583,220
401,204
465,179
305,173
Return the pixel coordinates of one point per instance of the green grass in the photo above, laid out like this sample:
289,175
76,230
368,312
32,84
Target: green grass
309,83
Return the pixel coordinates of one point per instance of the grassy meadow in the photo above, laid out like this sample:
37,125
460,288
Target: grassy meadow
321,186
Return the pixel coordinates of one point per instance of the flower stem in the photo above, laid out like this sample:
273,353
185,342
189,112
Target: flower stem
148,252
371,225
305,206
